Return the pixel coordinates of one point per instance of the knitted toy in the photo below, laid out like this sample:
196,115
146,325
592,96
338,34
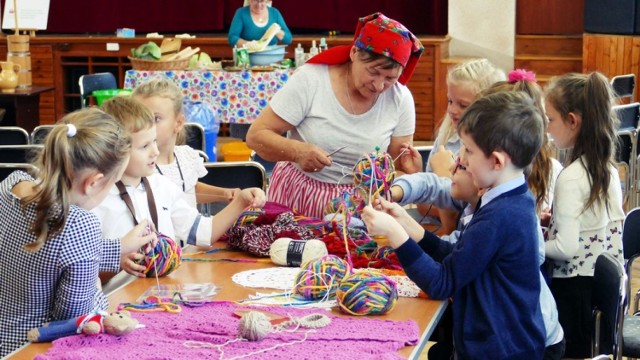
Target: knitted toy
117,323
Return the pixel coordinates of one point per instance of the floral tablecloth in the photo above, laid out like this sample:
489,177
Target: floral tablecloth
235,97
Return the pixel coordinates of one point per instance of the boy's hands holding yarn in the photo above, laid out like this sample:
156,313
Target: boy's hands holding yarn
311,158
143,236
381,223
412,227
250,197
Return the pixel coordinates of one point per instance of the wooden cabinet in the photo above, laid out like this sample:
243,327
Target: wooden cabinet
59,61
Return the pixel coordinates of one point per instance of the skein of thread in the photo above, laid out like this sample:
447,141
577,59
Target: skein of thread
321,277
254,326
165,257
367,293
289,252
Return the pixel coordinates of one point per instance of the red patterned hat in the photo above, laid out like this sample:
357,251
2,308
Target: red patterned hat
378,34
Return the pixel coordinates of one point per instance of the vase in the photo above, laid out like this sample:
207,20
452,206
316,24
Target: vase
8,76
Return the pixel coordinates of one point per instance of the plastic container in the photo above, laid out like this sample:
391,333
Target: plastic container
235,151
104,95
299,55
200,113
271,54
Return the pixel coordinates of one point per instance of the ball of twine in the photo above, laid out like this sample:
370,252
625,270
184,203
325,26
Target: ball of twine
320,278
164,258
254,326
367,293
286,251
374,171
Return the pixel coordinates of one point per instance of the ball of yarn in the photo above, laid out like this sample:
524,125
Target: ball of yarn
374,171
163,259
367,293
289,252
254,326
321,277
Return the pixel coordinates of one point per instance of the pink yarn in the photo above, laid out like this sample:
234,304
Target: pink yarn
164,335
521,75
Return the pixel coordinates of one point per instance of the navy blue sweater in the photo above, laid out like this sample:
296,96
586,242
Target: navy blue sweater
492,273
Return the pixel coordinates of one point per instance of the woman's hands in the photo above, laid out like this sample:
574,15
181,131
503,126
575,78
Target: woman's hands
311,158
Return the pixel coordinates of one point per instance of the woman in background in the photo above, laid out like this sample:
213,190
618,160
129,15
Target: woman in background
253,20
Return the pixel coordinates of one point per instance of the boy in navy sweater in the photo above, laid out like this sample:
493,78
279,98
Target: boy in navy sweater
492,271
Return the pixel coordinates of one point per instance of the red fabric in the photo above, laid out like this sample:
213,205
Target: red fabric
379,34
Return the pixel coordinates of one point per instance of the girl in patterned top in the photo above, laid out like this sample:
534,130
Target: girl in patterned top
52,248
587,212
182,164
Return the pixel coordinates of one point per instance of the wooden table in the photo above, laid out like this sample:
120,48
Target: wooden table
23,107
425,312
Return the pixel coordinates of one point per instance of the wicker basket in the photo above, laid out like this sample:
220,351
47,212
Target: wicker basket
151,65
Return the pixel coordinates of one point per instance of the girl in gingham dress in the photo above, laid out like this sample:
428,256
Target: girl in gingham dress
180,163
52,248
587,210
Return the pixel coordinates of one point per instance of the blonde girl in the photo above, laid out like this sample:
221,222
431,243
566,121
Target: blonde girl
179,162
52,248
587,209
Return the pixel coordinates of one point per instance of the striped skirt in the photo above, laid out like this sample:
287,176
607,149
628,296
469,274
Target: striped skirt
291,187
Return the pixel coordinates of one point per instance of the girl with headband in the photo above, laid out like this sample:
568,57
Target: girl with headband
341,104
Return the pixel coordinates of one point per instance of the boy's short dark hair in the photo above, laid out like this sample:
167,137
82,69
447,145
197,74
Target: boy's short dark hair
505,121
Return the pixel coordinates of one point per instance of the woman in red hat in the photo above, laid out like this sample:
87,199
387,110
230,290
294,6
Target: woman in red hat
353,96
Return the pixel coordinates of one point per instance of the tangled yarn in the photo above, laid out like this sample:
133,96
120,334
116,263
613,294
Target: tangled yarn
163,259
367,293
320,278
345,202
255,325
373,173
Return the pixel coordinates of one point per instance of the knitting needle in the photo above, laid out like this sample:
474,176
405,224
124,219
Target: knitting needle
336,150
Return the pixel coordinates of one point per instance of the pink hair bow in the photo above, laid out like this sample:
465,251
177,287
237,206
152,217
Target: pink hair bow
521,75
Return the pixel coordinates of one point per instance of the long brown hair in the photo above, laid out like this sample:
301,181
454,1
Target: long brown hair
540,177
92,140
592,98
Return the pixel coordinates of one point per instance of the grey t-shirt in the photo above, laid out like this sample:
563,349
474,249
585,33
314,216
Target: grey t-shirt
308,102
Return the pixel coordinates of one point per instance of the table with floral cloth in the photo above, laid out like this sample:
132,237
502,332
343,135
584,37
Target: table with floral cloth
235,96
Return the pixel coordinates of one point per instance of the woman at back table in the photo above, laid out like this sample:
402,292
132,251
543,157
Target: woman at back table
252,21
353,96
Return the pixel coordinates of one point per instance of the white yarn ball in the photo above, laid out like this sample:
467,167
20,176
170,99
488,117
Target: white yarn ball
254,326
289,252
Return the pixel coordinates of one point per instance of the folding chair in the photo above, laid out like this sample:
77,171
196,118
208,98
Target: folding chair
92,82
631,248
13,135
627,149
268,165
39,133
18,154
7,169
424,152
194,134
608,297
232,174
624,86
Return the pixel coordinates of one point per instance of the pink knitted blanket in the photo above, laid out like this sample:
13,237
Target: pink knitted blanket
165,335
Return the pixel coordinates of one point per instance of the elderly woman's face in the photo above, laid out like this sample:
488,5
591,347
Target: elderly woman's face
259,5
371,78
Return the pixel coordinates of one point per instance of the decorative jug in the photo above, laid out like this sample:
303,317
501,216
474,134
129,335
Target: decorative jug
8,76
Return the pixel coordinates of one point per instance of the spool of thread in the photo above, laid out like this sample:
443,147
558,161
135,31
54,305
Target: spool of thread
164,258
289,252
374,171
254,326
321,277
367,293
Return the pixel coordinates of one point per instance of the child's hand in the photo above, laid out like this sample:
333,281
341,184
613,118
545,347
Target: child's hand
393,209
143,234
380,223
251,197
441,162
410,160
128,262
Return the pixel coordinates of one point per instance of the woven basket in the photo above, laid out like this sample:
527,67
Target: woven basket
151,65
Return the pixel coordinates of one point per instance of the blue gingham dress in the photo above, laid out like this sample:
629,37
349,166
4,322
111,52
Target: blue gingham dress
57,282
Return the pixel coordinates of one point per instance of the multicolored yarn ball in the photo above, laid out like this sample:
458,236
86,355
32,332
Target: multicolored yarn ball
163,259
367,293
345,202
320,278
374,172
